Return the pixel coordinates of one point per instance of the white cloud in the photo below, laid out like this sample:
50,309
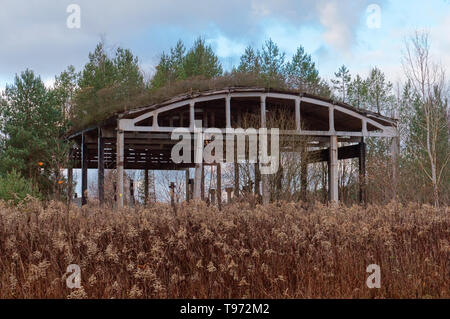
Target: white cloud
337,31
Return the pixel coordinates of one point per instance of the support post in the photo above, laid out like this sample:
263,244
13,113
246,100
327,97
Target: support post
212,196
263,111
198,181
362,171
119,166
333,169
191,188
202,183
131,192
303,176
84,170
229,190
191,115
70,176
236,179
188,196
265,189
172,194
101,168
219,185
297,114
395,147
257,179
228,111
146,186
264,178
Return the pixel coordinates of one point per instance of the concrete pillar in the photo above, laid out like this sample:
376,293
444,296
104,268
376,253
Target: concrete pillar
263,111
265,189
212,196
172,194
362,171
120,166
297,114
257,179
264,178
333,170
395,150
131,192
229,190
191,188
146,186
303,176
188,196
84,170
236,179
198,181
202,183
101,167
228,111
70,176
191,115
219,185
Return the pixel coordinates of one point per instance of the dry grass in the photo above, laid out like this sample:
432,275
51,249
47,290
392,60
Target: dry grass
279,251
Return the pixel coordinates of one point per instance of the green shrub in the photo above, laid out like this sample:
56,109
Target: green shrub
15,188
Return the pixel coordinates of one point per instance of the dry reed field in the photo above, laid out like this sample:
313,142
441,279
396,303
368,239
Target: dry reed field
283,250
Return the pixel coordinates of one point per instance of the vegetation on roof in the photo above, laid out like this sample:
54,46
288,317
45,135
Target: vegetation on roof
108,85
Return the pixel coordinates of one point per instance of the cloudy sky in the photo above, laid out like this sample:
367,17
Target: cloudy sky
34,33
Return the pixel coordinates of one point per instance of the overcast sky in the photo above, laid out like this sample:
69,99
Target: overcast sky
34,33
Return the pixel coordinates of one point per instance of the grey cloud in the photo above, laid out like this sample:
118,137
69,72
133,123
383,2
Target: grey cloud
34,33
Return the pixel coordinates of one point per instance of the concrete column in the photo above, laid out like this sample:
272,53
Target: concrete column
212,196
84,170
188,196
219,185
264,178
228,111
198,181
229,190
333,169
303,176
191,188
265,189
131,193
362,171
236,179
146,186
70,176
120,166
101,168
257,190
191,115
172,194
331,118
263,111
297,114
395,150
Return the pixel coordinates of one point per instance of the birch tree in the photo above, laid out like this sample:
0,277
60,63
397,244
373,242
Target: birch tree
429,85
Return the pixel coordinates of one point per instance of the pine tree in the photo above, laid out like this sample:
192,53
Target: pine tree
301,72
32,123
341,82
200,60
